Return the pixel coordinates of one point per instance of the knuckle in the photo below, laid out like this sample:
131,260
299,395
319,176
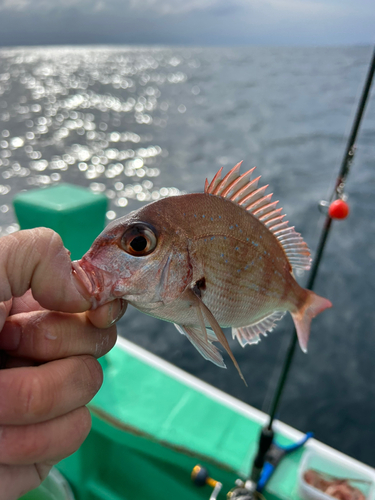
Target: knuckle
41,240
48,243
77,425
35,398
43,332
48,236
82,428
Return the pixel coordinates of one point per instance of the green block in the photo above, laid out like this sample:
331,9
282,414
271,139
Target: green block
75,213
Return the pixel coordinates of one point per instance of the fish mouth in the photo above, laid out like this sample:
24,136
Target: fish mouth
93,283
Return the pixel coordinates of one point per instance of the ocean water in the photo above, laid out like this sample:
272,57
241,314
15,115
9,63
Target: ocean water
142,123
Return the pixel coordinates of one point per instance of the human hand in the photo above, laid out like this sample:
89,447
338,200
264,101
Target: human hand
48,348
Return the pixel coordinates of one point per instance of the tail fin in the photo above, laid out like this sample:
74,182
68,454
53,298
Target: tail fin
303,316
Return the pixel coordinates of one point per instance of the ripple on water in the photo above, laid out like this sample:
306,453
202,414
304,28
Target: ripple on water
85,116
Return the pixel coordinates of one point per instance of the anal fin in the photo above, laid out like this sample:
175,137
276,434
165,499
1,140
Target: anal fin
251,334
203,343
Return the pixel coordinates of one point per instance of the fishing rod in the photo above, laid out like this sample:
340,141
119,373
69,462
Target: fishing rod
269,452
337,209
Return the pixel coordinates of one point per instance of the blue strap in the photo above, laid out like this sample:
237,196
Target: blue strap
298,444
276,453
267,472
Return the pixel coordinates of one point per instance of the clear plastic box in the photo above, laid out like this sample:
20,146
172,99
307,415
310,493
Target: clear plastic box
341,467
54,487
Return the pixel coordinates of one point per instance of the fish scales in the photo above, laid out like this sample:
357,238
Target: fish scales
233,240
222,258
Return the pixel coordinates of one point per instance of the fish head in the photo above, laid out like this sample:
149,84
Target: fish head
140,258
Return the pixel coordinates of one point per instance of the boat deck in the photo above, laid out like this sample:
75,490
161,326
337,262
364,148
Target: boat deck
152,422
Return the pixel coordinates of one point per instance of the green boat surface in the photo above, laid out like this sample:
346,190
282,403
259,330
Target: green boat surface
152,423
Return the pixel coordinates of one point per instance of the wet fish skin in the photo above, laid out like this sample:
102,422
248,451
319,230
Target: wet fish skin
191,246
211,257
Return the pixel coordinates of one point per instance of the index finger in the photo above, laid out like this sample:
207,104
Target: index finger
37,259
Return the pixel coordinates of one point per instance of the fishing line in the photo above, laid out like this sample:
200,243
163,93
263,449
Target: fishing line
337,194
356,109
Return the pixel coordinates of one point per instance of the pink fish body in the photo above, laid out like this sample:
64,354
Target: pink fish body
222,258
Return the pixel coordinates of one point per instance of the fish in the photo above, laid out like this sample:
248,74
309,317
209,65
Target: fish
206,261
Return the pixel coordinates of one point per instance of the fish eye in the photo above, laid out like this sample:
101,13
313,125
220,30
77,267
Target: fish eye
139,240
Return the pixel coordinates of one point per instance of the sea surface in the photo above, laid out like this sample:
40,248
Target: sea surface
142,123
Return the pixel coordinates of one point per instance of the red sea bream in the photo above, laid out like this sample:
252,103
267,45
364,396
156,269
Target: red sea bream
205,261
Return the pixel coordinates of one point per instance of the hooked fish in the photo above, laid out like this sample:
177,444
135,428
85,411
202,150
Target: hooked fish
205,261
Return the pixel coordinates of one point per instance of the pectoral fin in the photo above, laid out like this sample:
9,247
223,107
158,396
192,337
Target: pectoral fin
203,344
175,275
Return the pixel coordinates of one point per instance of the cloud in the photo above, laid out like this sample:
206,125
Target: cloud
170,7
299,7
197,22
13,4
18,5
161,7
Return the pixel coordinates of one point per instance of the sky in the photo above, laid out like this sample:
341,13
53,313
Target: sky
188,22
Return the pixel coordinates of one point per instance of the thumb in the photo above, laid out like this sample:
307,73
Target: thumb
37,259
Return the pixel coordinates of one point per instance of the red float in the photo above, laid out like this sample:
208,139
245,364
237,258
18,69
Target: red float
338,209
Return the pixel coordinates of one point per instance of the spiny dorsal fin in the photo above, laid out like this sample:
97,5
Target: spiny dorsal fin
227,181
245,192
209,188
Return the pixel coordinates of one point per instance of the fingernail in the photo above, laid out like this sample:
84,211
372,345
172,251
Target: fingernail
10,336
117,310
81,281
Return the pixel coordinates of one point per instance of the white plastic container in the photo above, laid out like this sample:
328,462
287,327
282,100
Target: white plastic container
340,467
54,487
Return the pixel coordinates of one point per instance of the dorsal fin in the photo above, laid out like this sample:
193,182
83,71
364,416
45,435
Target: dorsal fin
242,190
227,181
209,188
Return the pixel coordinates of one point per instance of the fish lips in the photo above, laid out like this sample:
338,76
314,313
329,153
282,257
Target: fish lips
95,284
